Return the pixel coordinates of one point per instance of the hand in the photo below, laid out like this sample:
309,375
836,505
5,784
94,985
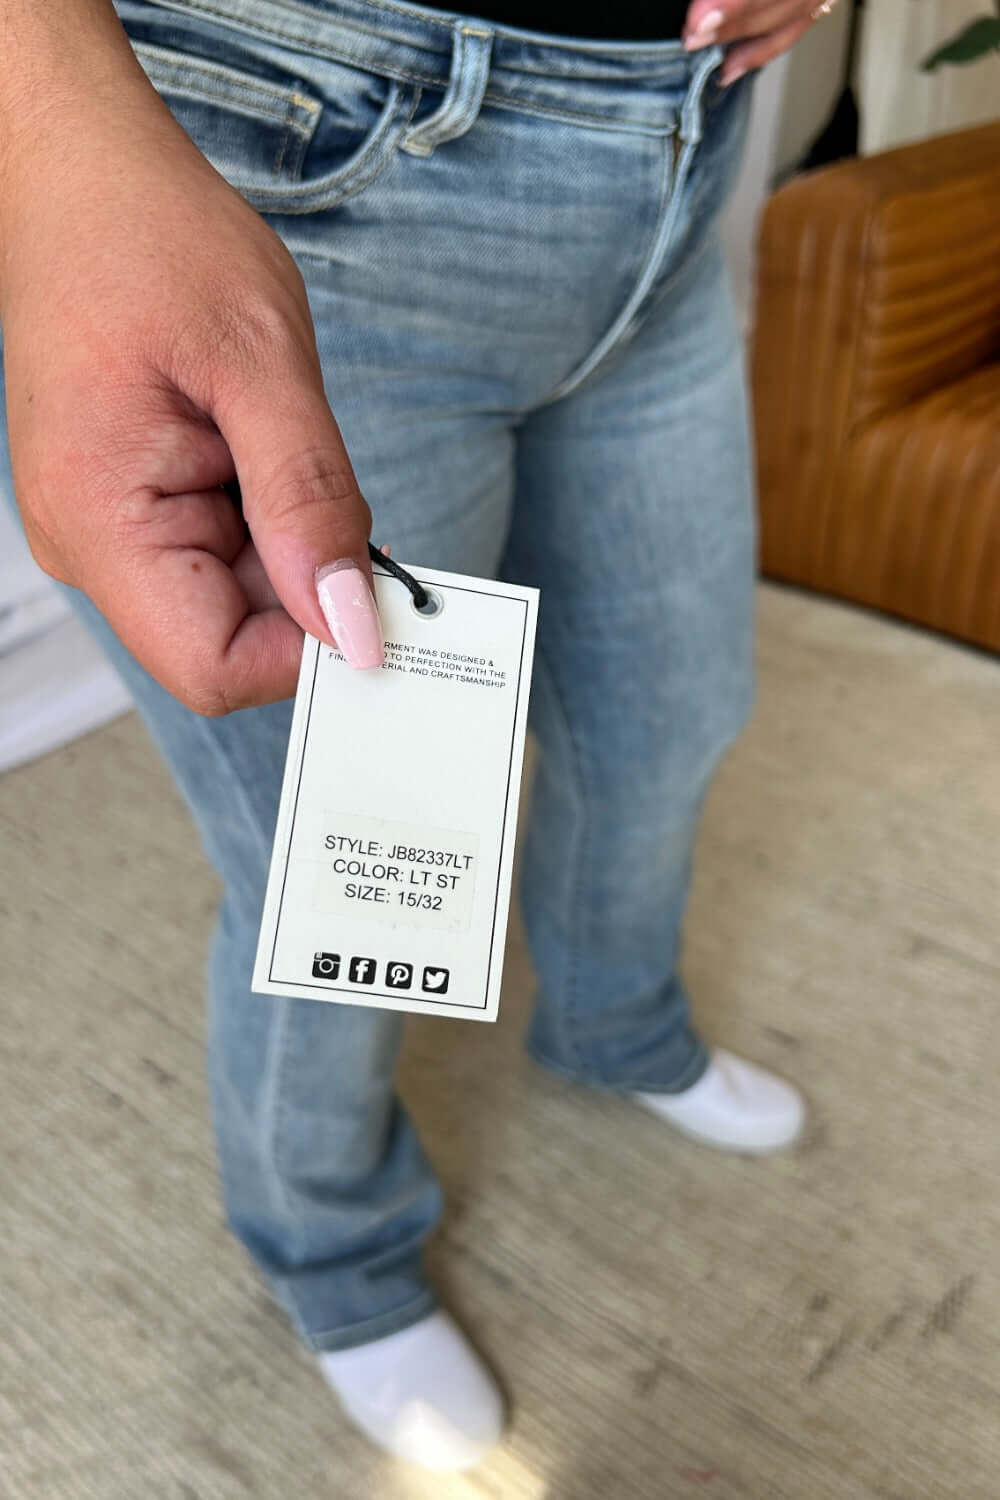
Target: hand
759,30
158,343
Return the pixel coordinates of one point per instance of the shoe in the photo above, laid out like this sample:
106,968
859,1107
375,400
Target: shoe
422,1394
734,1106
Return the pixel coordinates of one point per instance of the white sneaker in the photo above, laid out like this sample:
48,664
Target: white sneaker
422,1394
734,1105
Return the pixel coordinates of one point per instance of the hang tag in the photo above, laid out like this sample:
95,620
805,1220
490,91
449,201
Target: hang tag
391,870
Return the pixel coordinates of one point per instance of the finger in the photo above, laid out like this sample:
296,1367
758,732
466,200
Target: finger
183,589
306,514
248,570
207,521
723,21
190,620
746,56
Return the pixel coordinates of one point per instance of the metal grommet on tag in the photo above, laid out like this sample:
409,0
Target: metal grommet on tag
417,590
433,605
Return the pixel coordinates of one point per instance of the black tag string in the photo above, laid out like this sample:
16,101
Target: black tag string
420,594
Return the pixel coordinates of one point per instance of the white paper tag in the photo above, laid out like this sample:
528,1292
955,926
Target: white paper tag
390,876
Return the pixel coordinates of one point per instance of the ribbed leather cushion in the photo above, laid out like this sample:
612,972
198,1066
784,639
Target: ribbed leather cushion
932,306
919,531
876,382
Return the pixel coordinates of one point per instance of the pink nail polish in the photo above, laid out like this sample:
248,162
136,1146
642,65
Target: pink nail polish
705,31
349,609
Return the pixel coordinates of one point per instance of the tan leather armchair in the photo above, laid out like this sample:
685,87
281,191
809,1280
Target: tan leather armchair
876,373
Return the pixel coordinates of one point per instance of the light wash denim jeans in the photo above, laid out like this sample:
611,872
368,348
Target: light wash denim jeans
510,244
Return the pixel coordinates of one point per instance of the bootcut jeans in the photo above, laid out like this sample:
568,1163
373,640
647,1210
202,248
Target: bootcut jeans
510,243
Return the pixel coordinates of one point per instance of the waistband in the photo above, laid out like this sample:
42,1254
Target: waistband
632,85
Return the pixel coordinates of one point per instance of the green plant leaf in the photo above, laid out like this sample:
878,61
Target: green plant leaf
975,40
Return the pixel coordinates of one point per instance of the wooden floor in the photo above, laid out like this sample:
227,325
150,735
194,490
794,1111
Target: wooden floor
668,1323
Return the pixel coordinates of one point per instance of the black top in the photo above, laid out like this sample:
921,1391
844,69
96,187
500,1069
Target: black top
615,20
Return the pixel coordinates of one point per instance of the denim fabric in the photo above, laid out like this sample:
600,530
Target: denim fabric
510,245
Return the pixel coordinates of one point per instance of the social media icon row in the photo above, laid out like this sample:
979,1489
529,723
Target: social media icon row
398,976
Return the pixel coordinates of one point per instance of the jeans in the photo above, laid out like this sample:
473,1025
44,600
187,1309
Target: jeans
511,250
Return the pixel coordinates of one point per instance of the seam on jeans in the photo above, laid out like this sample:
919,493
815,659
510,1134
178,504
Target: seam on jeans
281,1004
246,108
279,156
232,780
677,171
578,117
317,47
279,160
462,100
309,14
330,1340
569,383
371,153
576,861
585,47
689,1077
294,163
417,75
333,190
173,62
271,1114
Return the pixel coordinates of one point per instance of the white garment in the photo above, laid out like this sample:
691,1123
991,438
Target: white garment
55,684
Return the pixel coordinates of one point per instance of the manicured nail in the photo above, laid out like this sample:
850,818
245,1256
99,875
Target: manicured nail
706,30
349,609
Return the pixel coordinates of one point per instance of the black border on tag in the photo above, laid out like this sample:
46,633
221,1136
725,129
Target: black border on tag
367,993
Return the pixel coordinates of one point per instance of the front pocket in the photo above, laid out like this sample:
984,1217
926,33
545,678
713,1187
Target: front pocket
293,134
254,131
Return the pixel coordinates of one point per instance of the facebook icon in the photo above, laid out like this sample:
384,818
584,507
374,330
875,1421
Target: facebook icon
362,971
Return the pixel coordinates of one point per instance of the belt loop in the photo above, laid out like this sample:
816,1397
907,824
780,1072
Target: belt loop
459,109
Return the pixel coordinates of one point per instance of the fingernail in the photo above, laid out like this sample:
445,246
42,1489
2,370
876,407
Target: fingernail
732,75
705,31
349,609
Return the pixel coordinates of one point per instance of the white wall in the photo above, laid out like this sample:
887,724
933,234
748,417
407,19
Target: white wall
899,102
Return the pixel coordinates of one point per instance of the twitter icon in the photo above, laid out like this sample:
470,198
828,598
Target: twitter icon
435,981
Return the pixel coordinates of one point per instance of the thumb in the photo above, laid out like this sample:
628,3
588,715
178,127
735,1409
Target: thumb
308,519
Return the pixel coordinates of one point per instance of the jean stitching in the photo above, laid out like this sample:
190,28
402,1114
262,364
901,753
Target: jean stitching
273,1111
677,172
251,110
628,1086
345,55
170,65
329,192
583,47
308,14
301,142
390,1322
279,159
281,1005
573,965
295,167
268,29
583,370
452,119
578,117
232,779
